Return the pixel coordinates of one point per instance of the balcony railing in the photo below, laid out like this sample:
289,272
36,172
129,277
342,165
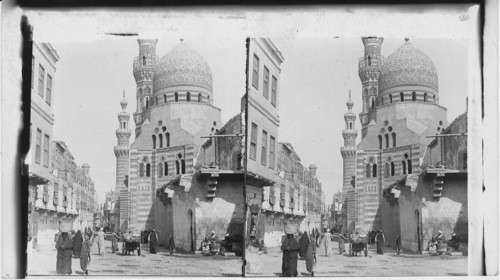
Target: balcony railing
282,203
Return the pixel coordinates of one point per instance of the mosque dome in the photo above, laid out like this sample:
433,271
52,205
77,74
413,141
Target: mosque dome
182,66
408,68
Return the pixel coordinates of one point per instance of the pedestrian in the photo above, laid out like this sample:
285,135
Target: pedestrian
214,243
304,244
114,242
440,237
77,244
398,245
64,248
341,243
85,254
311,256
290,248
100,241
317,237
327,239
153,242
380,240
171,244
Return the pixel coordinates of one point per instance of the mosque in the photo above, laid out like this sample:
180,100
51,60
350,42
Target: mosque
400,109
175,109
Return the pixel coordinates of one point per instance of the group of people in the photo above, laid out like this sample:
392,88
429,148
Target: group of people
71,244
211,244
295,244
453,243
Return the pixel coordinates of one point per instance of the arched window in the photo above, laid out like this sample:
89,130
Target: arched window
166,168
176,97
392,168
177,168
374,172
403,166
141,170
183,166
144,60
146,102
409,167
164,98
413,96
434,98
188,96
402,96
369,61
367,171
425,96
208,99
394,139
199,97
380,142
124,126
161,140
350,125
387,141
386,173
160,169
148,170
167,139
390,98
154,141
373,102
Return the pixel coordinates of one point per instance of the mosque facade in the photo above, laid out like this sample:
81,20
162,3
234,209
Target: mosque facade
400,110
174,109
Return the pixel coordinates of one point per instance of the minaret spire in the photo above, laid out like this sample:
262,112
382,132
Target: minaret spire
348,151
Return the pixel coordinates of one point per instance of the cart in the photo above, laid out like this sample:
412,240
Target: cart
131,242
358,243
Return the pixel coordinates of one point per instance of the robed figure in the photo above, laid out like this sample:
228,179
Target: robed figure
77,244
153,242
64,246
114,242
304,244
85,254
380,240
311,255
290,248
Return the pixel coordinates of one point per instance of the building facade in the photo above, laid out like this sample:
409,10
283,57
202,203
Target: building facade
174,109
400,110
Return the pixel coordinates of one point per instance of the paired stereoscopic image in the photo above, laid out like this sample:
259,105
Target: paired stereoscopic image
259,157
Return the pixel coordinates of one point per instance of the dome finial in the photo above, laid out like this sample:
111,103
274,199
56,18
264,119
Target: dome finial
123,93
349,94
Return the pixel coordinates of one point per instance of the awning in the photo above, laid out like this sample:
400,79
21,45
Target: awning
37,179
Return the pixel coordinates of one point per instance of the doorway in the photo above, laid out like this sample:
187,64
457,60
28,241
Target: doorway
191,231
417,220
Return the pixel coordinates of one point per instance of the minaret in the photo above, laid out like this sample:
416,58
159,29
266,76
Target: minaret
144,66
348,151
122,148
369,70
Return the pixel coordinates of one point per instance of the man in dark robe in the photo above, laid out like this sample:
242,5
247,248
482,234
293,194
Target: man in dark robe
114,242
77,244
153,242
317,237
304,244
64,248
311,255
398,245
380,240
342,240
290,248
171,244
85,255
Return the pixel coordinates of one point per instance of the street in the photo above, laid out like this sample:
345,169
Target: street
389,264
160,264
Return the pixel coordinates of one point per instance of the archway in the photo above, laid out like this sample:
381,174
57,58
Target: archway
191,231
417,220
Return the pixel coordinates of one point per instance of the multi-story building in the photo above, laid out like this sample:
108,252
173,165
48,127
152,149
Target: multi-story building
43,214
400,111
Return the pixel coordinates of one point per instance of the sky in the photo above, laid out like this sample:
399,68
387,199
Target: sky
89,84
316,77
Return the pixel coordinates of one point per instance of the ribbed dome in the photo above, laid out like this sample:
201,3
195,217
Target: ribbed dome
182,66
408,66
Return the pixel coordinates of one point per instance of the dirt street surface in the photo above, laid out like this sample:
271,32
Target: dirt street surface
389,264
160,264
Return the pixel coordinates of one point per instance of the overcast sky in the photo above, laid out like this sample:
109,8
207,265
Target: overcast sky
315,81
89,84
316,77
